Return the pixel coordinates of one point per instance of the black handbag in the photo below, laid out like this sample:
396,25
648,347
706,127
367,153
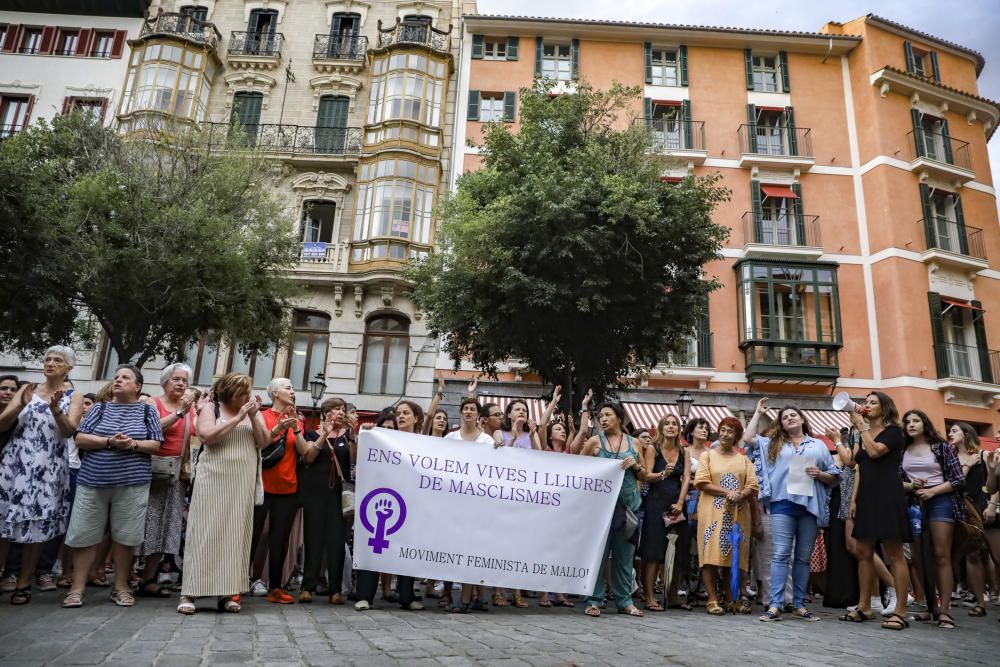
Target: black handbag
271,455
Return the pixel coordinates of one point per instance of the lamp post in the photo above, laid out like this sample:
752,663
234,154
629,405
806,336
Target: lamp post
316,388
684,402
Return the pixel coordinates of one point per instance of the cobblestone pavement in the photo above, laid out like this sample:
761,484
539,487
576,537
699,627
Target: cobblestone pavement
152,633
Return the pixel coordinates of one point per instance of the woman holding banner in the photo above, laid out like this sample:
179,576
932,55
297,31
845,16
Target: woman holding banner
614,443
728,484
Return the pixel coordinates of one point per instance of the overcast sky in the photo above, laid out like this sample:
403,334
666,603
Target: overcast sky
971,23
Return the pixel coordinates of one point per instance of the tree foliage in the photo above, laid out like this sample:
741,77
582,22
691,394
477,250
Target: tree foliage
155,241
567,251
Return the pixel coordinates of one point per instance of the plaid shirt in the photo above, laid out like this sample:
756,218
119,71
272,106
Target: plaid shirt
951,469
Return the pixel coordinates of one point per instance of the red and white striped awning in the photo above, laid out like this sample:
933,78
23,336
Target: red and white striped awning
648,415
821,420
536,406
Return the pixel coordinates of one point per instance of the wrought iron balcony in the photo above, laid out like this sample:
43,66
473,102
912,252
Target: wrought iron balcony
266,45
183,26
968,362
668,134
960,240
775,140
697,355
781,230
293,140
416,33
939,155
350,46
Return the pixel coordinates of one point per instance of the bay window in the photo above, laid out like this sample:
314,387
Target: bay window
395,202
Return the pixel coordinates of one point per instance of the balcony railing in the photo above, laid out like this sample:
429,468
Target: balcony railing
948,235
968,362
182,25
7,131
422,34
775,140
351,46
293,139
669,134
786,230
939,147
697,355
791,360
266,44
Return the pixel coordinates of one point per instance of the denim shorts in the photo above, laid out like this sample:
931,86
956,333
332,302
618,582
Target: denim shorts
939,508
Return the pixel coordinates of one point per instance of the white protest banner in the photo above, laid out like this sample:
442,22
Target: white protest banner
459,511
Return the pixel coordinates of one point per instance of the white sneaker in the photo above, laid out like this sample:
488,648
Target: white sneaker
258,589
362,605
890,603
414,606
8,584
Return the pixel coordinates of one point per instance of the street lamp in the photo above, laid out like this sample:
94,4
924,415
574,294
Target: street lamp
316,388
684,402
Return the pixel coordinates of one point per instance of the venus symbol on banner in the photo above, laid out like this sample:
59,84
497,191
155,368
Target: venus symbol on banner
381,500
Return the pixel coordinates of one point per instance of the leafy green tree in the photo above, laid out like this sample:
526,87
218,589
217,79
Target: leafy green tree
566,251
153,240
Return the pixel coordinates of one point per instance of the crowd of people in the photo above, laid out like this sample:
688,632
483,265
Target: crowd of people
213,495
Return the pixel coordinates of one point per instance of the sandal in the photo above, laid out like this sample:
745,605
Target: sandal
444,602
653,606
715,609
895,622
946,622
545,602
520,602
100,581
564,603
593,611
500,601
458,607
21,595
978,610
336,598
123,598
305,596
186,606
151,589
72,601
230,604
743,606
682,605
632,611
856,616
64,582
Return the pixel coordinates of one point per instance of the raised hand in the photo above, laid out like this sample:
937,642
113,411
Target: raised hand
54,400
383,508
532,426
762,405
586,399
471,389
187,400
557,395
857,421
833,434
441,385
29,391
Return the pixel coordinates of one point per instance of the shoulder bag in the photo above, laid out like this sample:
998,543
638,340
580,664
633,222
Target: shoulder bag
346,488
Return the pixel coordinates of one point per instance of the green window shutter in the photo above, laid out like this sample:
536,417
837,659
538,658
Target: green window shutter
574,53
935,70
963,238
748,61
682,59
751,128
937,335
981,343
331,123
911,62
509,106
793,138
473,105
478,47
704,337
786,87
946,137
647,110
538,56
686,124
800,218
925,201
919,141
513,46
647,57
757,211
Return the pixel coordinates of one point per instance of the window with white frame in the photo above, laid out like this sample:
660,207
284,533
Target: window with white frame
766,74
495,49
103,44
491,107
557,62
666,67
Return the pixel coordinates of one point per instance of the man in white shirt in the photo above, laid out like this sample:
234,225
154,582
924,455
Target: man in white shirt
469,430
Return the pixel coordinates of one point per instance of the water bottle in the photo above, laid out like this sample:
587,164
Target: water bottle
914,513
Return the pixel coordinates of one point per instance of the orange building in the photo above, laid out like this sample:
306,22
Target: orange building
864,250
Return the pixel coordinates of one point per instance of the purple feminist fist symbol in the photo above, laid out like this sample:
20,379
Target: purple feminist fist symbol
387,504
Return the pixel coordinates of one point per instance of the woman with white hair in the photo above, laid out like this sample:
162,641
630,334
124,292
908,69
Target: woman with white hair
281,502
34,467
165,511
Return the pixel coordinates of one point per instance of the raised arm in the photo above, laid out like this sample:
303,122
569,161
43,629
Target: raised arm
578,440
212,432
846,453
435,402
875,450
18,403
750,432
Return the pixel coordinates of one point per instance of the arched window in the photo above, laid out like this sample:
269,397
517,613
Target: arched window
310,340
386,352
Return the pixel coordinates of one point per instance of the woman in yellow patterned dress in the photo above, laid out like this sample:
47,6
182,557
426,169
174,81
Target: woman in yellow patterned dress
727,483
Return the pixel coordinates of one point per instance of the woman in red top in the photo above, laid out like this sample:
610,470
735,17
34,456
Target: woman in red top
280,484
165,511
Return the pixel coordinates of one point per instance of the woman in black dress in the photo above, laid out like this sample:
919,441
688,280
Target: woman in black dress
879,505
667,491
